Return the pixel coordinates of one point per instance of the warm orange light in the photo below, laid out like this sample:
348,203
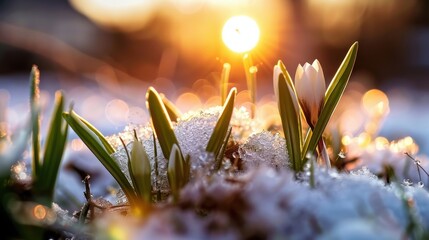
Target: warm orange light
375,102
126,15
364,139
346,140
381,143
39,212
117,232
240,34
77,145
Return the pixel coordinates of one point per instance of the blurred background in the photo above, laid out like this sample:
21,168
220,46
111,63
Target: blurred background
105,53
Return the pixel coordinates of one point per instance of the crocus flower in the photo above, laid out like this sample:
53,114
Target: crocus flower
310,88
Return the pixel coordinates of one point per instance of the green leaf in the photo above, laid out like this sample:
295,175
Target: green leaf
92,141
222,150
140,171
161,122
222,125
289,114
100,136
176,171
35,118
173,112
54,150
155,155
292,87
332,97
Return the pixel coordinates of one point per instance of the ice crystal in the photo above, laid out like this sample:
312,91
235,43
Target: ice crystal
264,148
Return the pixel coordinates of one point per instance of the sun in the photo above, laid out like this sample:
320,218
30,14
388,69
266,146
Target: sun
240,34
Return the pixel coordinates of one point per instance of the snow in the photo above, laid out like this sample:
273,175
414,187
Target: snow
264,148
266,200
272,204
375,159
193,131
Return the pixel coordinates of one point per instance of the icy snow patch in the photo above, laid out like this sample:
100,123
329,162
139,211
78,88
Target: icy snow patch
193,130
271,204
264,148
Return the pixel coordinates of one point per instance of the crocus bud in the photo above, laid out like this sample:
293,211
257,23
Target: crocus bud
310,88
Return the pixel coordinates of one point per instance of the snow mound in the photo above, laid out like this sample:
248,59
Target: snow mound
269,204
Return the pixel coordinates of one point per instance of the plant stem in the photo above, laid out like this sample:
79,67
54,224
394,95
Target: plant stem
224,79
250,72
323,153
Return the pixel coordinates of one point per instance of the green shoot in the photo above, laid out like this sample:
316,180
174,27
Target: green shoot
54,149
290,116
155,153
45,171
221,153
140,171
177,172
93,142
161,122
217,139
35,118
173,112
100,136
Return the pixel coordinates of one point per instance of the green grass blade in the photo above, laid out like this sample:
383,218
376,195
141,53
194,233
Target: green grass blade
140,171
222,125
341,78
224,79
292,87
155,157
103,140
222,150
94,144
186,170
54,149
175,171
289,114
173,112
35,118
161,122
306,142
332,97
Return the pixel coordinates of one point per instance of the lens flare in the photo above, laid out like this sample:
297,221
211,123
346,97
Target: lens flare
240,34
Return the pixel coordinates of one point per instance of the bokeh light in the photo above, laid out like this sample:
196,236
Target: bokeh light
240,34
375,102
39,212
116,111
126,15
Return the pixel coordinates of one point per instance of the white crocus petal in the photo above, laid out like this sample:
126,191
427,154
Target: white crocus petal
321,85
310,88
